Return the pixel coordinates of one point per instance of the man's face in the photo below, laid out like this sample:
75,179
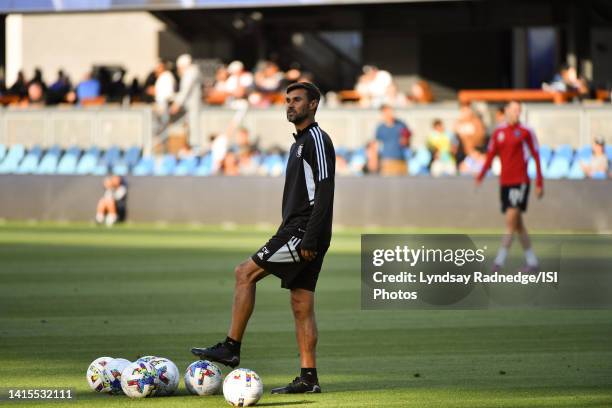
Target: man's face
513,112
298,107
387,114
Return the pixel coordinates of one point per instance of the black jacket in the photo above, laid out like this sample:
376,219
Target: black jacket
308,197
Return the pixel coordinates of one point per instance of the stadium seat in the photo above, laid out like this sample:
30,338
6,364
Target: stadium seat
187,166
357,161
69,161
559,168
165,166
585,153
29,164
2,152
110,157
205,166
609,151
49,162
131,156
144,167
531,168
576,172
545,154
599,175
273,165
564,151
88,161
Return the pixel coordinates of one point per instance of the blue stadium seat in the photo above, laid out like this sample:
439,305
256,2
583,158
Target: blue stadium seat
49,162
274,165
165,166
110,157
12,159
69,161
545,154
609,151
585,153
88,161
144,167
422,156
131,156
559,168
599,175
29,164
576,172
531,167
564,151
187,166
205,166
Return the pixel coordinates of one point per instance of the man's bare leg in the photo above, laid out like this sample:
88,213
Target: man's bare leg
302,304
248,273
228,351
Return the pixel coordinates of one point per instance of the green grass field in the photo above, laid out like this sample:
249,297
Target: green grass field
71,293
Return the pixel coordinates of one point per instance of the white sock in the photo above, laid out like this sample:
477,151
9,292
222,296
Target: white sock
531,258
99,218
501,256
110,219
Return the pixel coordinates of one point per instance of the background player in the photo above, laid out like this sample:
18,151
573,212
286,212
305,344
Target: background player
295,254
513,143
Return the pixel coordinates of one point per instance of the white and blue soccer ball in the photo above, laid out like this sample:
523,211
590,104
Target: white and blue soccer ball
138,380
242,387
167,376
203,378
96,377
112,371
145,359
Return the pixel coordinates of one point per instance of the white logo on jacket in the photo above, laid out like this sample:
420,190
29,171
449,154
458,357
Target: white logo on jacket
299,151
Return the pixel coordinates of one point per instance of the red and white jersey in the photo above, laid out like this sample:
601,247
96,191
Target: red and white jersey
514,144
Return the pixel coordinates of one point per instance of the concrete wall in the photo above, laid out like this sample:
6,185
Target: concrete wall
77,41
360,201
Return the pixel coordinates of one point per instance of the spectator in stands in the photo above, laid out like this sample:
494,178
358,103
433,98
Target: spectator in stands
189,96
113,204
567,80
372,164
393,137
440,140
470,130
420,93
292,75
229,165
117,90
19,87
247,160
218,92
218,151
597,166
136,93
472,164
36,96
88,88
240,81
375,87
38,79
58,91
164,87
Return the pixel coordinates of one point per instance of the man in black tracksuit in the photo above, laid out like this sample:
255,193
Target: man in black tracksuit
295,253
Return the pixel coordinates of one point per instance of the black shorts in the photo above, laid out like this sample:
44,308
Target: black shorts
281,257
514,196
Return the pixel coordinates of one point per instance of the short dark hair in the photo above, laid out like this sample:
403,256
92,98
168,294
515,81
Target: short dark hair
436,122
312,92
385,106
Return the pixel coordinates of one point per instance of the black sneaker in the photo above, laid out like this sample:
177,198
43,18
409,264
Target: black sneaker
219,353
298,386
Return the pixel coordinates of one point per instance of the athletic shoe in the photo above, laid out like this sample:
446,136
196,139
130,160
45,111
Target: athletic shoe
496,268
219,353
298,386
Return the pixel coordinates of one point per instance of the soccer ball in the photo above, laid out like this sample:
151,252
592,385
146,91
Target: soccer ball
203,378
113,370
145,359
167,376
138,380
95,375
242,387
